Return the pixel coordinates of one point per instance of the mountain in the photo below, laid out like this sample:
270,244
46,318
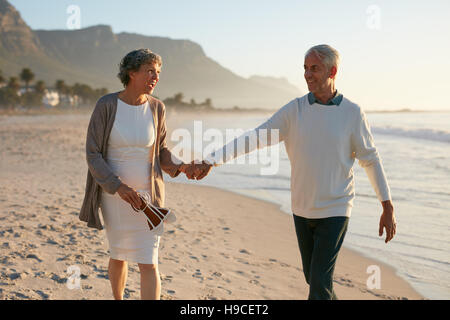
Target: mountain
91,55
16,36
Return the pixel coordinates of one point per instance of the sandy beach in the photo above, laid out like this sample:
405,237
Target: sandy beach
222,246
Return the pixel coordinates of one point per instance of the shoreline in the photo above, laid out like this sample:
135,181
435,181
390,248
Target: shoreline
88,110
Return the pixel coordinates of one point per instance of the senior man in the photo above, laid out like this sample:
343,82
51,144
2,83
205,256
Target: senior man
323,132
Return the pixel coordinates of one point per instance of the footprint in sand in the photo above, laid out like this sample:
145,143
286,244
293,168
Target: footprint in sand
33,256
179,227
166,297
242,273
166,278
379,295
16,206
103,276
226,256
21,295
51,208
244,251
242,261
39,233
198,275
344,282
217,274
6,232
66,258
16,276
57,278
46,227
51,241
127,292
229,292
42,294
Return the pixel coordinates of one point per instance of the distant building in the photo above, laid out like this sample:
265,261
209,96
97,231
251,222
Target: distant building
66,100
50,98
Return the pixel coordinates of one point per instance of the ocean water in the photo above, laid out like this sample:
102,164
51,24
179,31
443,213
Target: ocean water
415,150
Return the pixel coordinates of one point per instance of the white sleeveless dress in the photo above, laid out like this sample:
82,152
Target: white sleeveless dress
129,146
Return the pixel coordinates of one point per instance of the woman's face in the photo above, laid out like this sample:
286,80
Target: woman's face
146,78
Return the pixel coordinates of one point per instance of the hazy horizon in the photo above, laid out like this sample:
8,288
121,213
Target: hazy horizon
393,55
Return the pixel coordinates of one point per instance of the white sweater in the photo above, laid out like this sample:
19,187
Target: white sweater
320,141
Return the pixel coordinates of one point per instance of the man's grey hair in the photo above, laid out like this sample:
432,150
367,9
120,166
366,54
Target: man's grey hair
327,54
134,60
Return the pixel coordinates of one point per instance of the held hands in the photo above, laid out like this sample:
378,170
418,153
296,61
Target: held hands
196,171
192,170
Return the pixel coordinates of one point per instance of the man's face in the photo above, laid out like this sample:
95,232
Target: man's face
146,77
317,75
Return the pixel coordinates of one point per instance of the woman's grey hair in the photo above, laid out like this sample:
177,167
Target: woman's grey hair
327,54
134,60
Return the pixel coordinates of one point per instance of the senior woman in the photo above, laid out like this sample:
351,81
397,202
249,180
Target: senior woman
126,152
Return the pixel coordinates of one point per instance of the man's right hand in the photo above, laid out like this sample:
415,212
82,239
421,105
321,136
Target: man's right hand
202,170
188,170
129,195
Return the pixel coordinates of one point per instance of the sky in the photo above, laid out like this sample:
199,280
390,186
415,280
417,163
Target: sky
394,54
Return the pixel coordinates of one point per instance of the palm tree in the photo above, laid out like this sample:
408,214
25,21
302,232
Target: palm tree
84,91
100,92
26,76
179,98
2,80
208,103
61,87
14,83
39,87
9,98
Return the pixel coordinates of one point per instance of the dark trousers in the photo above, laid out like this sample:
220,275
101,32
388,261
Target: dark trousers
319,241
